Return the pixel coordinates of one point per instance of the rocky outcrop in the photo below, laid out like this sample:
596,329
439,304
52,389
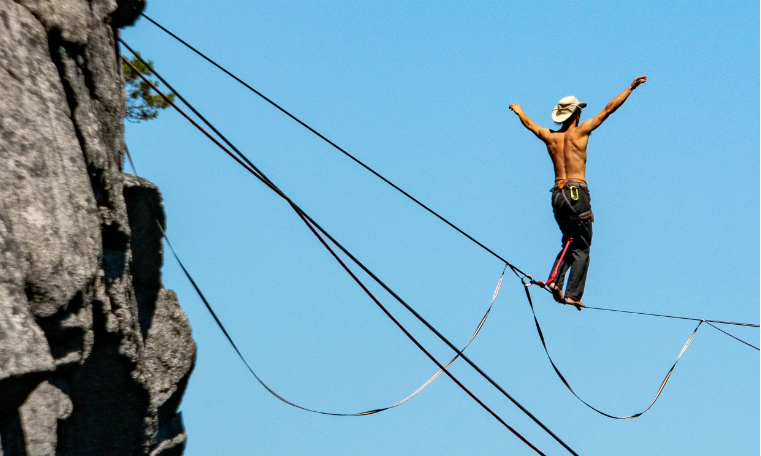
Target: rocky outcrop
94,352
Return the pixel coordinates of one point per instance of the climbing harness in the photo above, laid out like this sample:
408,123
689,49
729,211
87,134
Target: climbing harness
573,192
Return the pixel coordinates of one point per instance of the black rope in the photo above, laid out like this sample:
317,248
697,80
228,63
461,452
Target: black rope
678,318
306,220
734,337
364,413
269,183
337,147
446,341
340,149
441,367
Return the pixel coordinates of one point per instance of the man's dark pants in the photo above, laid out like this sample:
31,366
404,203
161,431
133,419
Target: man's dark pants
572,207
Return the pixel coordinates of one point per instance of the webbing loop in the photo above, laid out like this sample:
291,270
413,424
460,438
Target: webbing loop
567,385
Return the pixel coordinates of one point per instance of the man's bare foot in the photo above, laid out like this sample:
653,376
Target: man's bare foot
557,292
574,302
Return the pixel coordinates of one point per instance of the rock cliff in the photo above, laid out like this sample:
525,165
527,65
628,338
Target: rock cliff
94,352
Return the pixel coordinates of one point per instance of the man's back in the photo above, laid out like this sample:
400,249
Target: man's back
568,146
568,151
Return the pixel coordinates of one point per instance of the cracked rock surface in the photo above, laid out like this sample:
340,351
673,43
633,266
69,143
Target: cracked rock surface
94,353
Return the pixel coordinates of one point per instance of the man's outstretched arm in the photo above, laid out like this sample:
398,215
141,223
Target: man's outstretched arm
591,124
541,133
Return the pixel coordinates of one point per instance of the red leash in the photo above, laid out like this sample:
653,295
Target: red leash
557,265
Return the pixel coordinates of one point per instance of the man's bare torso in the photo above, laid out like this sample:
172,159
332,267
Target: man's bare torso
568,146
568,151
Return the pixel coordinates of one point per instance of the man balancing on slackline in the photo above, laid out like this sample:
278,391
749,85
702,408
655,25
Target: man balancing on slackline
571,202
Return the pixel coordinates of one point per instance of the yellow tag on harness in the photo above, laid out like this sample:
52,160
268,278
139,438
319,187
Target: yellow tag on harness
574,192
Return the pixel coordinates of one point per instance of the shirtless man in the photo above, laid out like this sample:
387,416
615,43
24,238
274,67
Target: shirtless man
571,202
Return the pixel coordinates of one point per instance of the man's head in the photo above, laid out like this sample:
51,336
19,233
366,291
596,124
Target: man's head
566,108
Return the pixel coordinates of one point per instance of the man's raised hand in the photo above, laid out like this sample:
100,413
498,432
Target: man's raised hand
516,108
638,81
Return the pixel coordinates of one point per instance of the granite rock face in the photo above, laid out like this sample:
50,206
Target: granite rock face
94,353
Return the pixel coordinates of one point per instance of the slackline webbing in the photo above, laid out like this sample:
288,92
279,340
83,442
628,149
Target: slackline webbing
270,390
230,339
475,333
306,220
526,287
259,175
384,179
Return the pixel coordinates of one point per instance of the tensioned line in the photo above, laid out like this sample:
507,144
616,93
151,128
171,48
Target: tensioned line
337,147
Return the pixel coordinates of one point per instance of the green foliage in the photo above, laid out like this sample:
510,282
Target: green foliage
142,102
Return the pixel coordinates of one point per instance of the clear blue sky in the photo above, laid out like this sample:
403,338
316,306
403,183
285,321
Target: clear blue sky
420,91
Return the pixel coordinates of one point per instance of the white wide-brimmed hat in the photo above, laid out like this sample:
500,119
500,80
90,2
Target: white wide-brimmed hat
566,106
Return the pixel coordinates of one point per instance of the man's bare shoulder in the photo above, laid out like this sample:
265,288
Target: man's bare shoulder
554,135
584,127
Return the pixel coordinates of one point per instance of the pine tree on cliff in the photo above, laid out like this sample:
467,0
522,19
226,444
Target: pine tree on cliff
141,103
